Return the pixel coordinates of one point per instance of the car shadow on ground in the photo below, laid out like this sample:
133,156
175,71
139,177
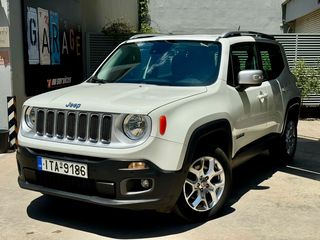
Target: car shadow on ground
252,174
307,159
124,224
108,222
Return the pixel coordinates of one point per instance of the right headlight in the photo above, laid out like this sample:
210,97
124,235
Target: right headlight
30,117
135,126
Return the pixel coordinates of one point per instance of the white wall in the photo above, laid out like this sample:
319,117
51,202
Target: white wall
215,16
5,82
5,90
298,8
96,13
16,40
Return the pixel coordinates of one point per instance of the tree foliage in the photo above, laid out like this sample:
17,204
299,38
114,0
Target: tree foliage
121,27
118,27
144,17
308,78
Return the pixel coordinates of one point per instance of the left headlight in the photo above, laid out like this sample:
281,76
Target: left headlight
135,126
30,117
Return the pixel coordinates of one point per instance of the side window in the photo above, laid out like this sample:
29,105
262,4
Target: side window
243,57
271,60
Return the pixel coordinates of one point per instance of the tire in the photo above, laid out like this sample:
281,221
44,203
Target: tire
286,147
206,187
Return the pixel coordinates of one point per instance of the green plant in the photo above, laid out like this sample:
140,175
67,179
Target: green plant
121,27
118,27
144,17
308,78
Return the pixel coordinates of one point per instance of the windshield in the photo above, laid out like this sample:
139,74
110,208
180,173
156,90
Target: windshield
169,63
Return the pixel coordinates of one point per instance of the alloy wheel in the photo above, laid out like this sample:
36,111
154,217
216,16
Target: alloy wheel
204,184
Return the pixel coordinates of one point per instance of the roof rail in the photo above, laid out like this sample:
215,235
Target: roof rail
247,33
144,35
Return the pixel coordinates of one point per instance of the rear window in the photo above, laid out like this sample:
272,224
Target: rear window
170,63
271,60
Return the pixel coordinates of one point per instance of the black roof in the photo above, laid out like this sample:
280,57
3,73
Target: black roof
247,33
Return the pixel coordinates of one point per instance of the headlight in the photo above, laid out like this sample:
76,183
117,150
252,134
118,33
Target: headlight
135,126
30,117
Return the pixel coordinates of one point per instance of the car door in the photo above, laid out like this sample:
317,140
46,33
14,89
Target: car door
272,65
250,124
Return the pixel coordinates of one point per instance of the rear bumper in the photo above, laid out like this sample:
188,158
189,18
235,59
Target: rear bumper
107,182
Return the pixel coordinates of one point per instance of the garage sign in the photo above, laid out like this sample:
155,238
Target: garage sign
52,44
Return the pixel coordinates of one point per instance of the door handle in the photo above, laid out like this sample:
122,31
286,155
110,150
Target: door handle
262,96
283,89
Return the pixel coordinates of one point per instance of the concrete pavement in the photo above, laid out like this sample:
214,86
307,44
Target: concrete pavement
267,202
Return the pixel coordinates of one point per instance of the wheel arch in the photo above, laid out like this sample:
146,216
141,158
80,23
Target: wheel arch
292,111
217,133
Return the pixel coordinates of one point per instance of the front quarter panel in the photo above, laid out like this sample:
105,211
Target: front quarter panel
184,117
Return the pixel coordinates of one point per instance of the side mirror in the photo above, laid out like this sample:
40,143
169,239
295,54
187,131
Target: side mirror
248,78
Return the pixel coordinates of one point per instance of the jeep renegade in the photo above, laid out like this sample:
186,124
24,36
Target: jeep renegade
162,122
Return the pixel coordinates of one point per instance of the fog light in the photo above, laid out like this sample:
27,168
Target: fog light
136,186
145,183
137,165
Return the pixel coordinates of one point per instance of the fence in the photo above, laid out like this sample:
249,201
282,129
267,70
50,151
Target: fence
99,46
306,47
301,46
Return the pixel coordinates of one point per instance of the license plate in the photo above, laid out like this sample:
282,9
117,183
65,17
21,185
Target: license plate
63,167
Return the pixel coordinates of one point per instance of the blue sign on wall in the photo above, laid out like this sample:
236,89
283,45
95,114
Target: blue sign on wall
54,38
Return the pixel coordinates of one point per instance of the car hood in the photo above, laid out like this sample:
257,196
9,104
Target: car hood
113,97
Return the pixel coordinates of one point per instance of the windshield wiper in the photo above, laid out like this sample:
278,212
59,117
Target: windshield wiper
95,79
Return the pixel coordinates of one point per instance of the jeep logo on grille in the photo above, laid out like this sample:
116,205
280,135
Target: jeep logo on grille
73,105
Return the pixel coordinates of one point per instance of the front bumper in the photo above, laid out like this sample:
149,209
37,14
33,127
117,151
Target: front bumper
106,183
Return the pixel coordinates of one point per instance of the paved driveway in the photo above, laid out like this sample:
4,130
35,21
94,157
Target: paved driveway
267,202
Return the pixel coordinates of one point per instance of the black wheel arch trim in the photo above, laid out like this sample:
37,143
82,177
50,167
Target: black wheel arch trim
293,105
216,126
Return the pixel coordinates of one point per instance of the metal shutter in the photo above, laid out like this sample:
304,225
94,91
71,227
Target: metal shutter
309,23
302,46
289,43
99,46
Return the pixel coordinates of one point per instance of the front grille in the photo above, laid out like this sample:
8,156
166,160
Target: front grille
74,126
94,128
60,125
105,130
40,122
82,125
50,123
71,126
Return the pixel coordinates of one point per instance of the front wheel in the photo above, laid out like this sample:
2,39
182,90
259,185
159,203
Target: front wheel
206,187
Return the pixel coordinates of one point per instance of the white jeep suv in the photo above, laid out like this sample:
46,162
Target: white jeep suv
161,123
